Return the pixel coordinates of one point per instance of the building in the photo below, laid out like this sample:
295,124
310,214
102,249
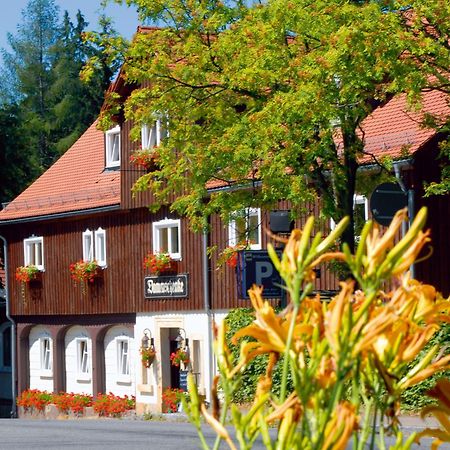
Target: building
87,338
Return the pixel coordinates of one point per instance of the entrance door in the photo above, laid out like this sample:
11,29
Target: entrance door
174,371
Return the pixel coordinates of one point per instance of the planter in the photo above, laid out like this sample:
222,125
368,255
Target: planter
147,362
147,159
160,264
170,269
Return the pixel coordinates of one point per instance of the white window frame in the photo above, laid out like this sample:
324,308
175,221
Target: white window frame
100,246
46,356
233,232
110,137
88,245
94,247
151,136
29,247
160,225
123,375
358,199
81,356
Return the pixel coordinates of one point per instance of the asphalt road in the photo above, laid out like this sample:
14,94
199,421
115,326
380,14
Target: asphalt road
109,435
99,434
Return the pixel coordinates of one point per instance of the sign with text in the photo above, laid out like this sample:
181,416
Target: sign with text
183,380
169,286
255,267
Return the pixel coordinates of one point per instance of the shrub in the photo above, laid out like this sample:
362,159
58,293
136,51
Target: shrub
415,398
34,399
106,405
66,402
171,399
110,405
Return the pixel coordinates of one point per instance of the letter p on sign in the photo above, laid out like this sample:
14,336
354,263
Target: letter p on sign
263,270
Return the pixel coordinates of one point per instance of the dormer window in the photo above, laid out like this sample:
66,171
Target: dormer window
152,135
112,149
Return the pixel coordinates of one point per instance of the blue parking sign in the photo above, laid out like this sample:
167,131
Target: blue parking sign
255,267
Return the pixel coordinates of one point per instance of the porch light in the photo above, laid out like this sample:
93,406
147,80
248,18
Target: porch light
179,339
146,339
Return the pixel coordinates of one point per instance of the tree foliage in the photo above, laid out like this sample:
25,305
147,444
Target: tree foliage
45,105
271,96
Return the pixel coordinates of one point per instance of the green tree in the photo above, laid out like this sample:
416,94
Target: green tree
271,96
29,68
76,103
18,159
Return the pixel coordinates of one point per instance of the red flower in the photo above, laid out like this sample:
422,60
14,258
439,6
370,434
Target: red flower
178,357
159,262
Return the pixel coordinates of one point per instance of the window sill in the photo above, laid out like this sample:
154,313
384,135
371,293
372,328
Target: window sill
46,374
123,380
112,168
84,377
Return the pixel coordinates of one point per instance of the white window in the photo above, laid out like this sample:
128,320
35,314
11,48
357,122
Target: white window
45,344
167,237
152,135
245,228
360,214
123,361
34,252
83,368
100,246
88,245
94,246
113,147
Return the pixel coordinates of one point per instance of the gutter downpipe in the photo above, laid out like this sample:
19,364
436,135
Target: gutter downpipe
410,198
13,331
207,307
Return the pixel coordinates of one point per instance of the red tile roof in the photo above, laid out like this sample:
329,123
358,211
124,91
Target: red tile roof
393,129
77,181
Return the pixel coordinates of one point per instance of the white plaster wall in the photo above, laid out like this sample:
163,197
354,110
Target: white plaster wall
75,383
38,380
115,383
146,390
196,326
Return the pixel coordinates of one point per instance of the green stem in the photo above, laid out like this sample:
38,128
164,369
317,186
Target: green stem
286,353
374,425
223,418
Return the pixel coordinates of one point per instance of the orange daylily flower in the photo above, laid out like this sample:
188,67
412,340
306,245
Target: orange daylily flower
441,392
341,426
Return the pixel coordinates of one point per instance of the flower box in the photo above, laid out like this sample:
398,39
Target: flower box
84,272
147,159
28,276
160,263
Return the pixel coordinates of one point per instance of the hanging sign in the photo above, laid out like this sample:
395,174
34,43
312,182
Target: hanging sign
169,286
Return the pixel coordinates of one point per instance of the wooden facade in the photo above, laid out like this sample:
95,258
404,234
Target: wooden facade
56,304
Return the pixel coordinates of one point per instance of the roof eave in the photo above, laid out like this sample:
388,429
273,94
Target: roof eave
79,212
